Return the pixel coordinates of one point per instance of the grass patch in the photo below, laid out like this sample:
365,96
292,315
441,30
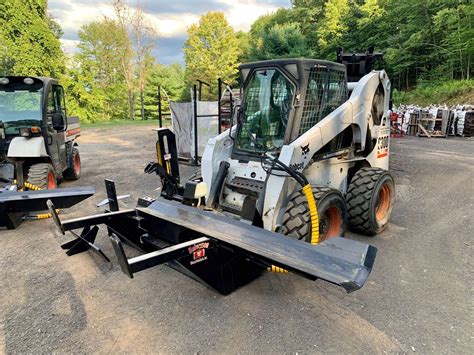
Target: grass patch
115,123
451,93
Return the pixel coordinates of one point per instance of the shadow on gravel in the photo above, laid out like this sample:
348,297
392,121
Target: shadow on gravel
48,318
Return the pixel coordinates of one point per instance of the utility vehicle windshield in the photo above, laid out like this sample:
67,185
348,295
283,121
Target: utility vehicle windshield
267,103
20,108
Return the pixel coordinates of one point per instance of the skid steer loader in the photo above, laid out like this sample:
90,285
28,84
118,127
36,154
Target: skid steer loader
308,153
305,114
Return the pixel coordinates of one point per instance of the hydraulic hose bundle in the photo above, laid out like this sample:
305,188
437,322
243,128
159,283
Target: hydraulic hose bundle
306,188
308,192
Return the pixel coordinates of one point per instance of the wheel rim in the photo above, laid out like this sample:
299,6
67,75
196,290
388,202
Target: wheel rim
51,181
77,164
330,224
383,203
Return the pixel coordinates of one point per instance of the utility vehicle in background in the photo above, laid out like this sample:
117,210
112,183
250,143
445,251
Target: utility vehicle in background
38,147
37,139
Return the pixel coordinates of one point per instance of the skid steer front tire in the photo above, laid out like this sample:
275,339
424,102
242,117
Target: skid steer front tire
369,200
331,212
42,176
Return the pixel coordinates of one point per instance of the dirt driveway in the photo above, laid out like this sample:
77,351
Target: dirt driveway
417,298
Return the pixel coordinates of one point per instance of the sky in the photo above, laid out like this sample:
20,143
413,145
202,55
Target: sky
170,18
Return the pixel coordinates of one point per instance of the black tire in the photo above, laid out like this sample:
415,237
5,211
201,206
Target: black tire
74,173
331,211
369,200
43,176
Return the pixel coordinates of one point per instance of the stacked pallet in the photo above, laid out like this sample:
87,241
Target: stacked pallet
423,123
435,121
461,120
468,124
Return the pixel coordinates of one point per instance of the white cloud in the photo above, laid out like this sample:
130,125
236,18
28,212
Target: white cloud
243,13
69,45
172,26
72,15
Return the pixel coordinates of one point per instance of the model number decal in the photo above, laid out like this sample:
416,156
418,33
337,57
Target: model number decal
382,146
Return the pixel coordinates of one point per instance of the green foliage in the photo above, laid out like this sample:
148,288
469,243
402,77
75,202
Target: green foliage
421,39
334,24
277,35
171,80
211,52
445,92
424,41
280,41
95,81
29,39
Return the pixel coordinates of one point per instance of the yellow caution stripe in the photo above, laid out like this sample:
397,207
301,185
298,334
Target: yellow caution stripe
313,212
277,269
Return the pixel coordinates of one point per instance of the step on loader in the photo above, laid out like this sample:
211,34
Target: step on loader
307,157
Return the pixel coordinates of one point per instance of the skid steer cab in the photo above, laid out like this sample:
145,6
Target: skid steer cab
38,144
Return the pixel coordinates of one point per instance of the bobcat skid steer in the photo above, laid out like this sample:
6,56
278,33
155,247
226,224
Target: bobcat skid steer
309,153
336,134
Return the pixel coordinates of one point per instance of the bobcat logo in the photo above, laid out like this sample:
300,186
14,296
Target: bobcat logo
305,149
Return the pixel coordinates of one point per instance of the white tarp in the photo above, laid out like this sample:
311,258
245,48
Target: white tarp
182,124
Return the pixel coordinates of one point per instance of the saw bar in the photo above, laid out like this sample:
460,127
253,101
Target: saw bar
341,261
30,201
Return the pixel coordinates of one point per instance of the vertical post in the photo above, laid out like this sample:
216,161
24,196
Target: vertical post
195,113
160,117
231,97
219,95
200,90
111,195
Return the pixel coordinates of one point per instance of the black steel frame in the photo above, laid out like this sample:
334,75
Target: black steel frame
15,204
192,241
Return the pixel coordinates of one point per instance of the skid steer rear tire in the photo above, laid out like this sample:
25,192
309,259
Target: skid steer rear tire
331,211
42,175
74,173
369,200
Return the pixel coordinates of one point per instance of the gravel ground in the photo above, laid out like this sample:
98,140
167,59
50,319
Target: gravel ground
417,299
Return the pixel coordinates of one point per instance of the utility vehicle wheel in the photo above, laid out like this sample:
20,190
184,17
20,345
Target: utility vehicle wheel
74,173
331,211
369,200
43,176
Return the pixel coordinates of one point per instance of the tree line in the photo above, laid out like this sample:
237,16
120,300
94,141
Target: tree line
114,75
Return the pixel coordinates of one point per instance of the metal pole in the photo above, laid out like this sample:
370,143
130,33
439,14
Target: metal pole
231,97
159,107
219,94
195,126
200,90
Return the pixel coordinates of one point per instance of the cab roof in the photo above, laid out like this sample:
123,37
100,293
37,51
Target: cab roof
303,62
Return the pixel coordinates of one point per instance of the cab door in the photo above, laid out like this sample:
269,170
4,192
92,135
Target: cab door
56,134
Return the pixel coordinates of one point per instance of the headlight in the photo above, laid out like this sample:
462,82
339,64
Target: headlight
28,81
4,81
27,132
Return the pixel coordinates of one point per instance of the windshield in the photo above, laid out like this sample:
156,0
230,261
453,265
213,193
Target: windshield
267,104
20,108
